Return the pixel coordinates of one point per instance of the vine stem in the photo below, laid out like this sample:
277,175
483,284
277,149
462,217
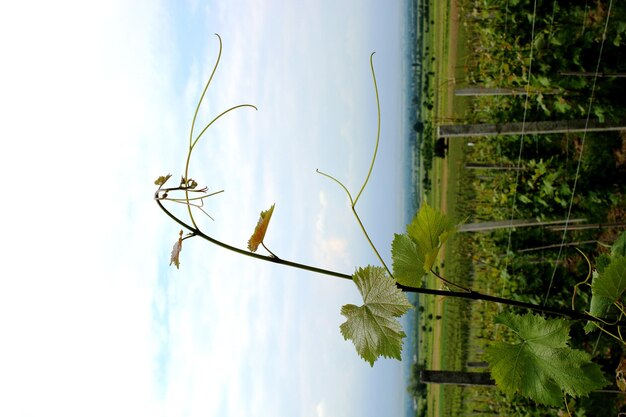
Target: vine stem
358,219
193,122
471,295
354,201
369,172
192,141
450,283
193,144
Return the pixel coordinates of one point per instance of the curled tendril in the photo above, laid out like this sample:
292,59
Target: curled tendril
192,141
354,201
586,280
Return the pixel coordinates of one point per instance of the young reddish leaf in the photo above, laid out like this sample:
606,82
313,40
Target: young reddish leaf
178,246
259,231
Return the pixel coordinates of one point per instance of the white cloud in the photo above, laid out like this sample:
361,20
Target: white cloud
320,410
84,101
329,250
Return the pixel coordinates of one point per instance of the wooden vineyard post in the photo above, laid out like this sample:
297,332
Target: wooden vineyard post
529,128
455,378
508,224
487,91
475,379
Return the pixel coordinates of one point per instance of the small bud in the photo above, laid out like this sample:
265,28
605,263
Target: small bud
162,179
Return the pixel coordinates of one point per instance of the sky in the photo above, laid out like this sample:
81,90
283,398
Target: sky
97,102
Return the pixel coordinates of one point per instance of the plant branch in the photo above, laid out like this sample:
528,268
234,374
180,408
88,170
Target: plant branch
358,219
369,173
192,142
340,184
269,251
449,283
206,87
184,200
193,124
199,233
472,295
380,258
216,118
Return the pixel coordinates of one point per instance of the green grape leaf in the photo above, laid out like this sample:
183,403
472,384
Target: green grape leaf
540,365
373,327
430,229
607,287
602,261
408,261
599,306
619,246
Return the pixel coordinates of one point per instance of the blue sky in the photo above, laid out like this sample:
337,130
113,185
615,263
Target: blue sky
97,102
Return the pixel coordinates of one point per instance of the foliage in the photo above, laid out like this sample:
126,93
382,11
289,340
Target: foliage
429,230
416,388
373,327
413,255
414,252
608,287
428,151
564,39
408,261
598,167
541,364
619,246
441,148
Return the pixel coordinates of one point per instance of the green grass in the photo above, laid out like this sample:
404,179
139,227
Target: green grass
434,108
437,39
455,313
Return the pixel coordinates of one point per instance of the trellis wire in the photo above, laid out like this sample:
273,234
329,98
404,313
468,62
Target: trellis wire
582,148
521,142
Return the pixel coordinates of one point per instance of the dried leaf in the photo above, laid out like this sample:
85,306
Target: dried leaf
178,246
259,231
